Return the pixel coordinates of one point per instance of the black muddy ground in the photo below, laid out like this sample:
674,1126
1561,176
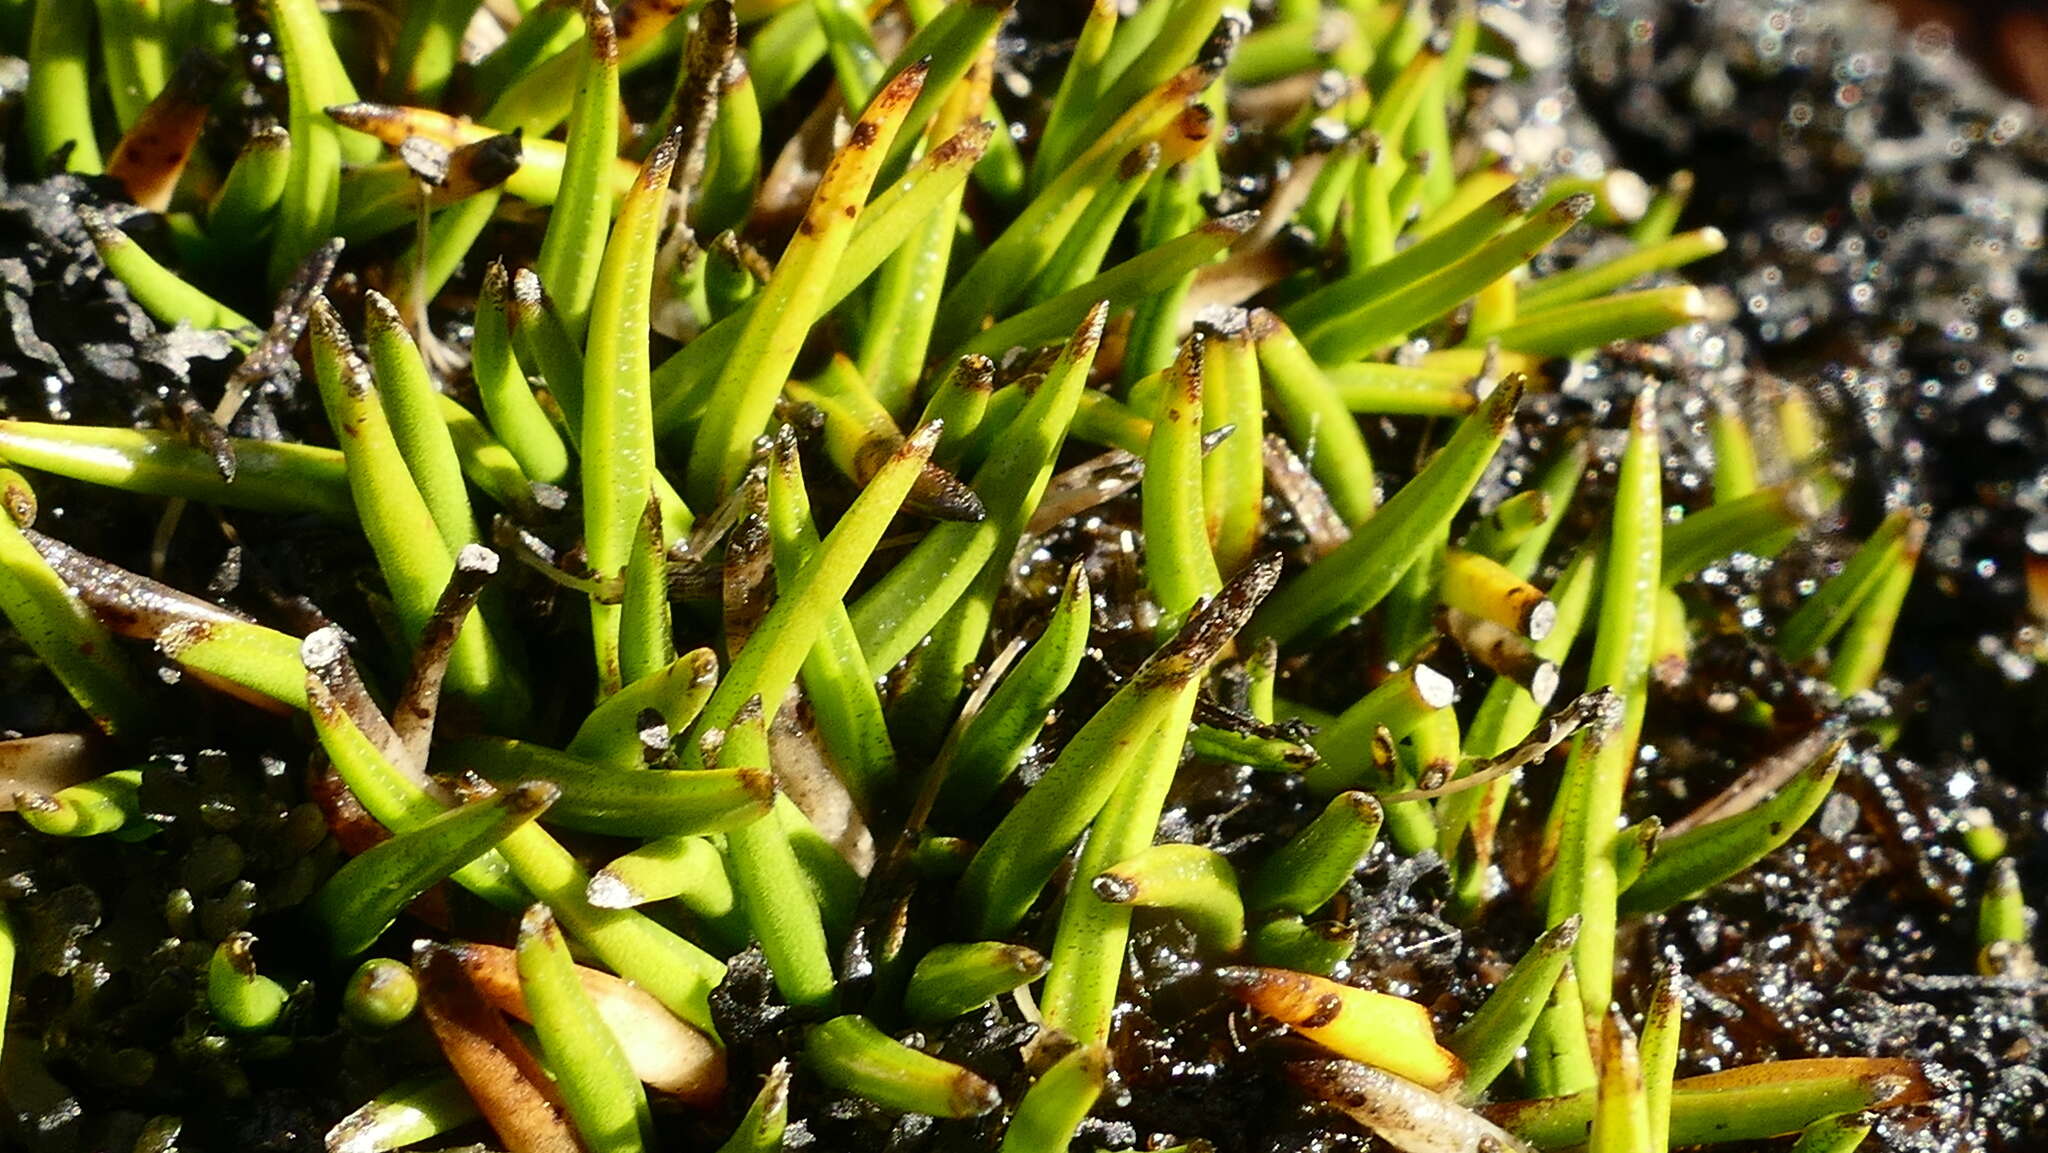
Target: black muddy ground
1885,211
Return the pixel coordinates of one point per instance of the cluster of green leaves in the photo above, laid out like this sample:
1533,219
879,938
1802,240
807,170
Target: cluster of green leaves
880,277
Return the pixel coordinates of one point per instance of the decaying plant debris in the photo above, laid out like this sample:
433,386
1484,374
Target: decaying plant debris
1165,579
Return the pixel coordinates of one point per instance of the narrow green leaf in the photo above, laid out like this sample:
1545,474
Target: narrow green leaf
604,799
1501,533
1747,1103
1081,85
1430,255
270,476
1398,705
760,1131
314,79
859,433
1558,484
161,292
1588,808
1621,1115
414,1110
603,1096
1088,955
412,402
574,243
1056,1104
1315,948
954,980
851,1055
1192,881
485,462
1488,1040
1020,856
1560,1055
65,635
1131,73
1859,654
133,55
363,897
429,46
1588,281
543,31
1003,271
1173,209
540,95
1369,388
249,660
732,169
411,552
58,104
949,42
794,298
1354,577
780,908
243,208
1373,326
1133,281
836,676
1291,46
1762,522
1832,605
1575,328
1012,716
611,733
1079,256
619,417
1302,875
1661,218
517,418
769,663
1234,474
1179,566
961,400
687,867
1843,1134
1659,1051
785,49
105,804
850,45
1691,862
674,971
901,608
684,383
242,999
647,643
1317,419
